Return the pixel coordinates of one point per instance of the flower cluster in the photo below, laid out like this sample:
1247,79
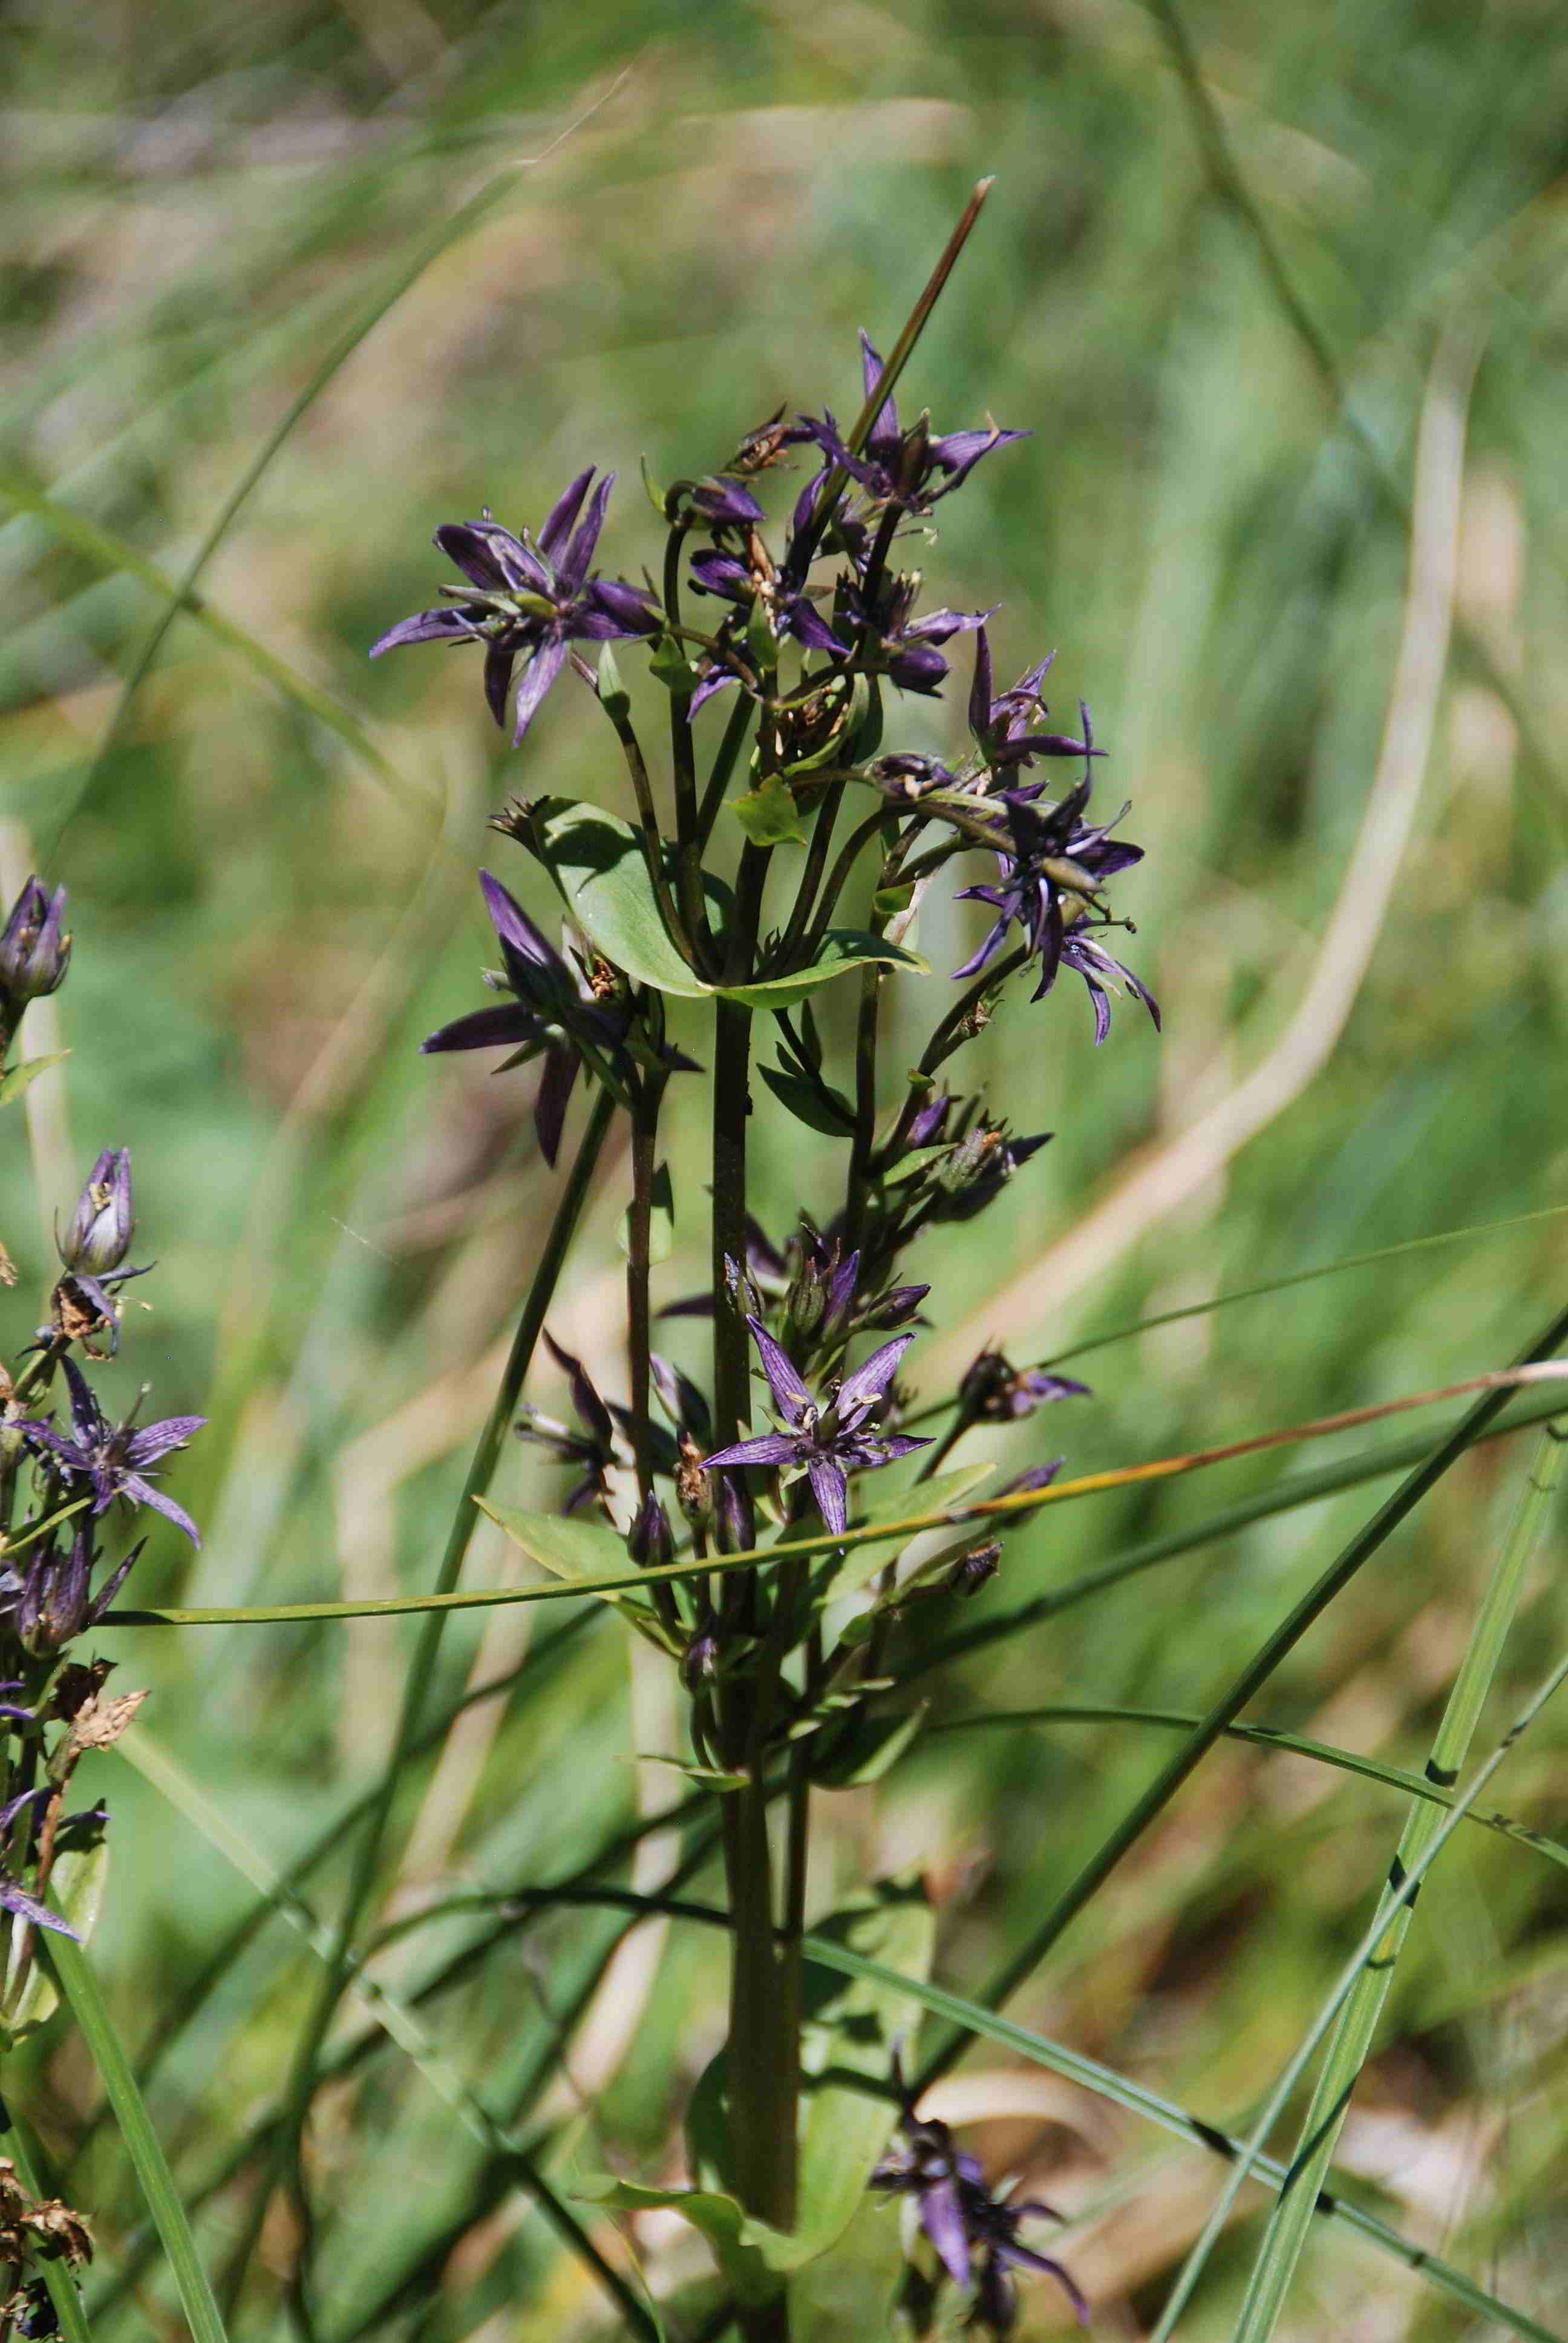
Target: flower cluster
73,1484
818,630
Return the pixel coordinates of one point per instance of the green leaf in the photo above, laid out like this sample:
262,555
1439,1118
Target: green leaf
852,2027
875,1745
841,951
20,1078
670,667
888,901
613,695
597,862
661,1222
76,1894
819,1108
721,2219
709,1777
578,1551
769,814
864,1562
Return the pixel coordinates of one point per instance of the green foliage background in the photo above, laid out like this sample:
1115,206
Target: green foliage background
270,850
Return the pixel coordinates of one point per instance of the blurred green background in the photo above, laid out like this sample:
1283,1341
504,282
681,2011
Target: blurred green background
1347,768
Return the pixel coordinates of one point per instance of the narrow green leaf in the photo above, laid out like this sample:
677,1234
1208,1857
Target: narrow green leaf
18,1079
584,1553
79,1984
769,814
875,1746
939,1498
1367,1989
839,953
819,1107
709,1777
721,2219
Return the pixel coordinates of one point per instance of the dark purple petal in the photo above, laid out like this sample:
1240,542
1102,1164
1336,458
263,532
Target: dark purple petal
888,1447
488,556
830,1490
987,952
1038,1476
725,573
791,1395
585,1398
809,627
680,1398
27,1907
143,1493
840,1291
771,1448
499,664
444,626
573,566
611,602
717,679
509,1025
112,1585
562,513
515,929
540,673
1023,2258
979,710
958,452
155,1439
553,1098
918,668
869,1381
941,2219
886,426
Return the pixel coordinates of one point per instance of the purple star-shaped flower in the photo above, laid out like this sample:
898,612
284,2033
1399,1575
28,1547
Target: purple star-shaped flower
825,1437
548,1014
910,467
534,597
115,1458
974,2233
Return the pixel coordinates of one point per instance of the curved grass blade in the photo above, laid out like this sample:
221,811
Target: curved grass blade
1358,2003
1427,1788
1088,1484
1301,1489
1228,1708
79,1985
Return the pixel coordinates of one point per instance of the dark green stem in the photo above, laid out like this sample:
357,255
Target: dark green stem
729,749
683,766
652,841
645,1104
371,1848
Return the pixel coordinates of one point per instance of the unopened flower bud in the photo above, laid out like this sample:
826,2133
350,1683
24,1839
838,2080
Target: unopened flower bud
104,1220
700,1661
34,954
971,1570
737,1515
649,1541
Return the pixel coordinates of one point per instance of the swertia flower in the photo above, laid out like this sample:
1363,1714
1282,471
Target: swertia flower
825,1437
534,597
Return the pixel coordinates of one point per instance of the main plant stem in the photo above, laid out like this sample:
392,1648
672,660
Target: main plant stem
764,2054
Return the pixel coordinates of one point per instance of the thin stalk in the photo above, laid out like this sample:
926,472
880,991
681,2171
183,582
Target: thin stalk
645,1104
811,876
1228,1708
371,1847
887,382
946,1037
1423,1834
849,853
683,766
729,749
652,841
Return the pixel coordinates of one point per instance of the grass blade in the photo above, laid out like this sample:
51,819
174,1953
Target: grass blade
1228,1708
1360,2003
79,1985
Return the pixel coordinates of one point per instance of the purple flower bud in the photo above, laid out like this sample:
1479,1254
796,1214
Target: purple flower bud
650,1541
34,954
737,1515
972,1570
994,1391
104,1220
700,1661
